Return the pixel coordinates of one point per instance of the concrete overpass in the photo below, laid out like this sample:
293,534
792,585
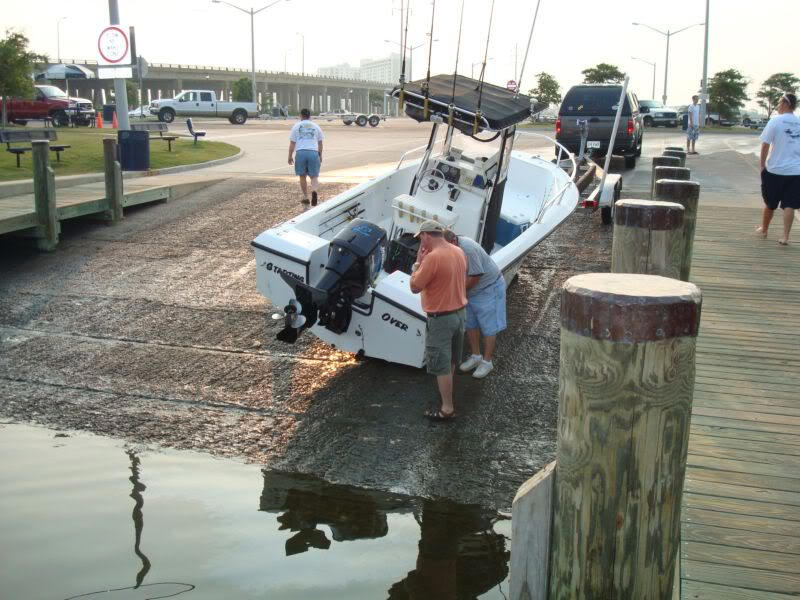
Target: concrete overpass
293,89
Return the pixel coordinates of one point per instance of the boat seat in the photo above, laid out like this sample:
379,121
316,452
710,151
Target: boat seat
409,211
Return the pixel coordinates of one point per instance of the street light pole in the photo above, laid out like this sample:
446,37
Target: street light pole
58,36
704,96
120,90
667,34
410,55
652,64
303,49
252,14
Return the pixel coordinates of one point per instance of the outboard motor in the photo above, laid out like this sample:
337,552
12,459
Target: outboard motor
355,257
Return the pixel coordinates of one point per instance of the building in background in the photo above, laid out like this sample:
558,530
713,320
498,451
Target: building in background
386,70
342,71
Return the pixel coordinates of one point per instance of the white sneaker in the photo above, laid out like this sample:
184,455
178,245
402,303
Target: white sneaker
483,369
473,361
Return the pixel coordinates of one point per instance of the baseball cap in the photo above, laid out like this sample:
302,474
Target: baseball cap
430,225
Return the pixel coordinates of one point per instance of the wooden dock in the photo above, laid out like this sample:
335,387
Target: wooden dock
740,535
18,213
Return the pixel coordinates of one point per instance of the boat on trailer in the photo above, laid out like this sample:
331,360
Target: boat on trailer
342,269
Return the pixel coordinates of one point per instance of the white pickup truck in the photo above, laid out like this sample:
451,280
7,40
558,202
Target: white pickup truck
202,103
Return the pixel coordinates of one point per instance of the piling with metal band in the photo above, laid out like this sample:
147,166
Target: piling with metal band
662,161
648,238
668,173
625,398
678,148
687,194
44,193
680,154
113,177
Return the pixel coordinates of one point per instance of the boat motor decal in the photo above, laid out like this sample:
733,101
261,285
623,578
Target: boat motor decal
388,318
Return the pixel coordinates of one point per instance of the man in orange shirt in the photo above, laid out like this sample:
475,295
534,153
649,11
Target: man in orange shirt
440,275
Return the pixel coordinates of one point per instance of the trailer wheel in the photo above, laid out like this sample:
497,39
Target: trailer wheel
605,215
347,122
361,120
374,120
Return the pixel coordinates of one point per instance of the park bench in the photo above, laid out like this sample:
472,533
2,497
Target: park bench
192,131
160,128
18,136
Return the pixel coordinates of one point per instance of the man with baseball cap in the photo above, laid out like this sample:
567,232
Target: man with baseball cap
440,275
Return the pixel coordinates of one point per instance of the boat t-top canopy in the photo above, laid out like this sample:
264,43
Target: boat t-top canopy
499,106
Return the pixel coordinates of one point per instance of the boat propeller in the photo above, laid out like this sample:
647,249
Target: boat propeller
293,321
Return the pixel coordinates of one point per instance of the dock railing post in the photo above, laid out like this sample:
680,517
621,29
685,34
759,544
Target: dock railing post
687,194
679,154
625,397
44,191
662,172
113,176
661,161
648,238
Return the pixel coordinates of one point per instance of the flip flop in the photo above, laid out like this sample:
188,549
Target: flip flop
761,233
439,415
783,242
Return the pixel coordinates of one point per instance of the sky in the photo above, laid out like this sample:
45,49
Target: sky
568,37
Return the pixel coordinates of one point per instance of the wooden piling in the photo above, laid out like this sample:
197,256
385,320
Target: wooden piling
662,161
113,177
687,194
678,148
680,154
44,190
648,238
668,173
625,396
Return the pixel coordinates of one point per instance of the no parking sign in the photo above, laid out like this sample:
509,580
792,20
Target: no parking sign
114,50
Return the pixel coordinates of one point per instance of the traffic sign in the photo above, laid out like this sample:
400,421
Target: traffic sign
113,46
511,85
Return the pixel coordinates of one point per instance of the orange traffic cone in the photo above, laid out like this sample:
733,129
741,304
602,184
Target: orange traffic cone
114,123
99,120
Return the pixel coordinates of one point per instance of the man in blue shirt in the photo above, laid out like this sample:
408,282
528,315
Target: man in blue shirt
486,305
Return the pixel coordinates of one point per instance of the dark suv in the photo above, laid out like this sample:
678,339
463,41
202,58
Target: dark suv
598,105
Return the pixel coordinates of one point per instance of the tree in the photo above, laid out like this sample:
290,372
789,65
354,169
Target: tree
132,91
602,73
773,88
727,93
16,68
243,90
376,100
547,89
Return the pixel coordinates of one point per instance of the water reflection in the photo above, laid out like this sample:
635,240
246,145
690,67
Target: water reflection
460,556
138,516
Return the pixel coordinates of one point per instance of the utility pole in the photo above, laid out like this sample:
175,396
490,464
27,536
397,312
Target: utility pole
58,37
704,86
120,91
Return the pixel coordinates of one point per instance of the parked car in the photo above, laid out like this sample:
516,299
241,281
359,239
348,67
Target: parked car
53,102
654,114
202,103
715,119
598,105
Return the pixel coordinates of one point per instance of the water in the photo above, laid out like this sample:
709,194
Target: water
87,517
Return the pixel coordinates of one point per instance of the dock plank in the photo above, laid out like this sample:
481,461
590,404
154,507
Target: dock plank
740,520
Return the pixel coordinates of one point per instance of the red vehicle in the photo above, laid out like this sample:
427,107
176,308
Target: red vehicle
50,101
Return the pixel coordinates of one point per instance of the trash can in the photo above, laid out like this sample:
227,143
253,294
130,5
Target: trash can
134,150
108,112
685,122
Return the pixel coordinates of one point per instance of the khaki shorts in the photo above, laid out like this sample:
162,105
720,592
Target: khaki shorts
444,342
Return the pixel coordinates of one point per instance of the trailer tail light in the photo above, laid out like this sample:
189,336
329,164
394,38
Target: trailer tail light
558,125
630,126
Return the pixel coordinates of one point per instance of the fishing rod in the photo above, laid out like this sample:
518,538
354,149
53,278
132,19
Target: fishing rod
403,45
455,72
483,71
527,49
426,84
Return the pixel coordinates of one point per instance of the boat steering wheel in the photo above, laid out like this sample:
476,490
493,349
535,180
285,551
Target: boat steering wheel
435,180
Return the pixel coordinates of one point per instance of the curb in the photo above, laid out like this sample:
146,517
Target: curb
25,186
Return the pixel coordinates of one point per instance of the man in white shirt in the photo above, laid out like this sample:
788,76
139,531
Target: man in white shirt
305,143
780,166
693,127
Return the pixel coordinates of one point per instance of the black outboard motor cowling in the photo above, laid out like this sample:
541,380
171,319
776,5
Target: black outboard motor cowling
355,257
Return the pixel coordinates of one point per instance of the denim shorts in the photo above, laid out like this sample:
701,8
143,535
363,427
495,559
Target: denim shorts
306,162
486,308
